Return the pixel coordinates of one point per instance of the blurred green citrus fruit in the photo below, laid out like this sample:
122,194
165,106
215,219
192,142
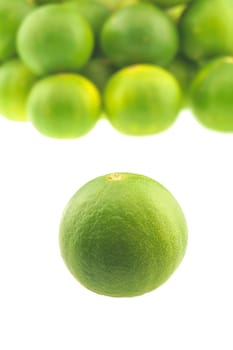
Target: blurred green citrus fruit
133,35
55,38
98,70
212,95
64,106
12,13
93,11
206,29
16,82
142,100
44,2
170,3
184,70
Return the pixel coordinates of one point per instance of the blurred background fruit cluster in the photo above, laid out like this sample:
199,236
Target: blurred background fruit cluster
66,64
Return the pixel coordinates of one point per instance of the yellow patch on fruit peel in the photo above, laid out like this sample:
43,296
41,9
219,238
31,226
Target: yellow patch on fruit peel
229,59
115,177
134,67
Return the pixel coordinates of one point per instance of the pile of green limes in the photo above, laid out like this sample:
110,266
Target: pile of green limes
66,63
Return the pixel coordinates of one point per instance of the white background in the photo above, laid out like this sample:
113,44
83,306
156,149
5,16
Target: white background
43,307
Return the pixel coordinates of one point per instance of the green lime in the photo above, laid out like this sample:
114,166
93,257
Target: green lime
184,70
93,11
55,38
206,29
12,13
212,95
142,100
133,35
99,71
176,12
44,2
64,106
122,235
16,81
117,4
170,3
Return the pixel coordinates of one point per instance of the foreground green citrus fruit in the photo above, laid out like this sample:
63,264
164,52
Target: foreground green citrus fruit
142,100
206,29
133,35
12,13
16,81
212,95
64,106
54,38
122,235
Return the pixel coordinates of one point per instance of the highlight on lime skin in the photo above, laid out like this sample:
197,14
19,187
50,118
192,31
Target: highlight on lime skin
122,235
